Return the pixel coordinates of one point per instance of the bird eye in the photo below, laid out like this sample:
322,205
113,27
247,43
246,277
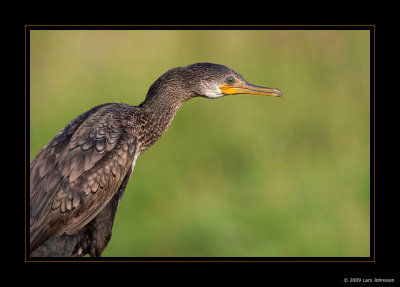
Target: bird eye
230,80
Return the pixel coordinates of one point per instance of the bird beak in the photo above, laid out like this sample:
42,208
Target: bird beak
248,88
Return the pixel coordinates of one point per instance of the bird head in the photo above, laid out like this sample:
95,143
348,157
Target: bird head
214,81
206,80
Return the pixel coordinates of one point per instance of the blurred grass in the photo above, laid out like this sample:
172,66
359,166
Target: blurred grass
243,175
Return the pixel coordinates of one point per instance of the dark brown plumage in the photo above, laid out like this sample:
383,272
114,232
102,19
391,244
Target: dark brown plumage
78,178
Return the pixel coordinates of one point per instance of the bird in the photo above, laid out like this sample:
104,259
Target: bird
78,178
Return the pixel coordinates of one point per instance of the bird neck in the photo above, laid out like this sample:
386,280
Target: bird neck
158,112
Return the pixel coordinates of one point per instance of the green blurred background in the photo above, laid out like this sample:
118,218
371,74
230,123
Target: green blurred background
242,175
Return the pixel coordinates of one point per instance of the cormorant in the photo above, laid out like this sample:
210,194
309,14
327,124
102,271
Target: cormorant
79,177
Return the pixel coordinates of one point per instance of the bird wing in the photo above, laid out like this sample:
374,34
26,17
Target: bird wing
77,173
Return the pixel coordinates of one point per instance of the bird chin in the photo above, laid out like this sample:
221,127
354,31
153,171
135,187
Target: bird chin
214,95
